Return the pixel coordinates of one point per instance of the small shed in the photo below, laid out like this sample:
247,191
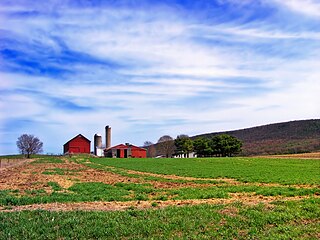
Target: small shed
125,151
78,144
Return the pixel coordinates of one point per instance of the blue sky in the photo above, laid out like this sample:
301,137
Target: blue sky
150,68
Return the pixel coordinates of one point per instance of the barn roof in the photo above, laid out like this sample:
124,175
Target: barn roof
79,135
124,146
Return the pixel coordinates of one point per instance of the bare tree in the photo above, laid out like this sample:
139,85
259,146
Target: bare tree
147,143
165,146
151,150
29,144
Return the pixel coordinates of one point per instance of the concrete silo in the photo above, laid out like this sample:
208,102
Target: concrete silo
108,137
98,151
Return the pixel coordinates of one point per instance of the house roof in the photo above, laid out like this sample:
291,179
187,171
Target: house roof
123,146
79,135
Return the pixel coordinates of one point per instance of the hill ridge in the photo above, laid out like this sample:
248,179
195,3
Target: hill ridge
295,136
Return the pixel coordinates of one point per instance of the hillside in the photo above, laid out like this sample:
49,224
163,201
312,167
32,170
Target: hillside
279,138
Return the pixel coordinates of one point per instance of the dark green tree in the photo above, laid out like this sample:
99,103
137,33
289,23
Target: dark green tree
225,145
184,145
202,147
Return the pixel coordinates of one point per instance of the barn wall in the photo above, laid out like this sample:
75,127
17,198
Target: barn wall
138,153
77,145
124,151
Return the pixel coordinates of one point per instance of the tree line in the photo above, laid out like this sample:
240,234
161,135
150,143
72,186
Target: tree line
222,145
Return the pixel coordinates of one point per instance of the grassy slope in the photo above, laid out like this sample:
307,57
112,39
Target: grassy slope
284,171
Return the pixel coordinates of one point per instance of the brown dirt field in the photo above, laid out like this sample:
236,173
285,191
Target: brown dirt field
6,163
314,155
30,176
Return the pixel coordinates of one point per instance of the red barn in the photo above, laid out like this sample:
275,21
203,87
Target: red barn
126,151
78,144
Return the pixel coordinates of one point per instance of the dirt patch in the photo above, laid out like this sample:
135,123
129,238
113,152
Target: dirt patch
229,211
94,175
7,163
141,205
314,155
175,177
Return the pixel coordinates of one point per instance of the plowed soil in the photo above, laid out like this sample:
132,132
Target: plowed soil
314,155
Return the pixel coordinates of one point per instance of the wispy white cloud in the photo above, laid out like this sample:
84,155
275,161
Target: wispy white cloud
245,33
306,7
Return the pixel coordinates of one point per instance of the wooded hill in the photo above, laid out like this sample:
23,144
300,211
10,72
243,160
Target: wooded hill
279,138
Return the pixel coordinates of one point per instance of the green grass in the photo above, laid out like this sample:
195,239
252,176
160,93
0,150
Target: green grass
55,186
79,192
283,171
124,173
288,220
35,192
55,171
61,171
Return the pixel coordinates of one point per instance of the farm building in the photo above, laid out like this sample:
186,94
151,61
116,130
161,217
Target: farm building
78,144
125,151
97,144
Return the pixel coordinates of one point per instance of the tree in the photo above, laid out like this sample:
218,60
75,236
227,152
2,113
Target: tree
147,143
165,146
151,150
184,145
202,147
225,145
220,145
29,144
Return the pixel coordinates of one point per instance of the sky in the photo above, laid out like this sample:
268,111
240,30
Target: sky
150,68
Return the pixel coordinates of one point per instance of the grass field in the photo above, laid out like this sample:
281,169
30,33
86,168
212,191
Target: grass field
230,198
284,171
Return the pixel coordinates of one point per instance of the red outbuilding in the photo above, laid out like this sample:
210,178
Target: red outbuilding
126,151
78,144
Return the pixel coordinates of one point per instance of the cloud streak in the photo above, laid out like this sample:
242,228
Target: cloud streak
309,8
151,69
